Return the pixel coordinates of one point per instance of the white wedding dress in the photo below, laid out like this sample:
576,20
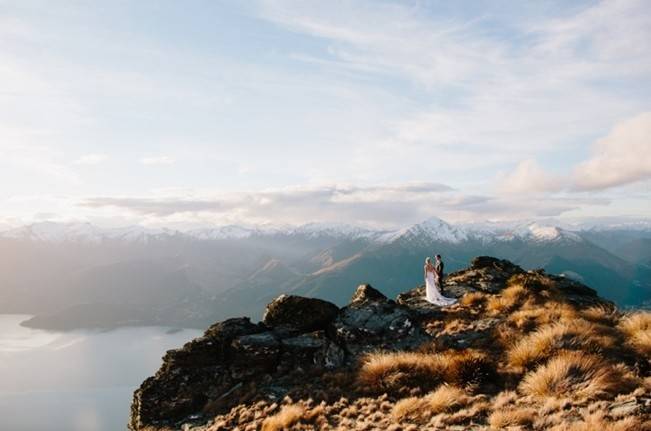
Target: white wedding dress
433,292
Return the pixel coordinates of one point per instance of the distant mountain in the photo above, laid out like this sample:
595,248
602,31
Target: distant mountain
188,278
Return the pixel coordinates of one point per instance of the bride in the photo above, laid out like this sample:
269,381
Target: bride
433,293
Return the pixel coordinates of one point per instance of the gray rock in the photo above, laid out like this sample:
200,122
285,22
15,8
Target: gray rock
368,325
366,293
299,313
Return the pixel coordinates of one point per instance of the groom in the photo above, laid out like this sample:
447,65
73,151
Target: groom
438,269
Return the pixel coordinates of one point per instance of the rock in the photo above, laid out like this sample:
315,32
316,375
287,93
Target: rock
366,325
260,350
486,274
189,375
366,293
314,348
299,313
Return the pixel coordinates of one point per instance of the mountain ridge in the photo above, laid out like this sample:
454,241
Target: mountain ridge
378,363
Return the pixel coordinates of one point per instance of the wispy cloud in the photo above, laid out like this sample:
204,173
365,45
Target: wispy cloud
382,205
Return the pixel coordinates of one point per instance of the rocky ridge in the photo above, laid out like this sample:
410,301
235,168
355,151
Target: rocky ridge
240,373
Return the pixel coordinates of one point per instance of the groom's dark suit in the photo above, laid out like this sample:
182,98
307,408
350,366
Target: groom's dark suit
438,269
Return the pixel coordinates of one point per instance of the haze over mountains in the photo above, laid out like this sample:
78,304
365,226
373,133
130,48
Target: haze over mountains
79,275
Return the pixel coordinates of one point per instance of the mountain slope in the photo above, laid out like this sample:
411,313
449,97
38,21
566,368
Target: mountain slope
524,350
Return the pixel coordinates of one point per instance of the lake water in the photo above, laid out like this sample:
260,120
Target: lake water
79,380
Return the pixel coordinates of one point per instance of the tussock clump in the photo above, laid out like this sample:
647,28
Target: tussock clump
601,314
637,329
288,416
578,334
512,417
599,421
444,399
473,299
578,375
510,298
532,316
399,372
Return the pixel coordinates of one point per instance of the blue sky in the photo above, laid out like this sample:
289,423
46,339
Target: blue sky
380,113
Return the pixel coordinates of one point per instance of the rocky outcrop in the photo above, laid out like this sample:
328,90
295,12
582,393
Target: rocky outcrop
237,361
299,313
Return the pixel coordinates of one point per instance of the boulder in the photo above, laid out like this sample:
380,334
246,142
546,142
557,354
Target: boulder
374,322
299,313
311,349
366,293
486,274
190,376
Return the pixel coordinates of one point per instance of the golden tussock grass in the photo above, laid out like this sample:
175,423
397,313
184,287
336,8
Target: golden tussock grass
512,417
509,299
578,334
578,375
637,329
288,416
398,372
598,421
600,314
444,399
473,299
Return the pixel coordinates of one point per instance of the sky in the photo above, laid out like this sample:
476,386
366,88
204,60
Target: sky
378,113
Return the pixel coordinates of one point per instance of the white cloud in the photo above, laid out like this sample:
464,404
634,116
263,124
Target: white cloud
158,160
529,177
91,159
388,205
622,157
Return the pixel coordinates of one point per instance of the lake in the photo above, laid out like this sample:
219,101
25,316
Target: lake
78,380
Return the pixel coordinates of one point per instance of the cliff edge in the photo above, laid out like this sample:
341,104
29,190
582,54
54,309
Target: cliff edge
521,348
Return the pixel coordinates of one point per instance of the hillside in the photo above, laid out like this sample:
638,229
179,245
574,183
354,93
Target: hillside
521,348
67,274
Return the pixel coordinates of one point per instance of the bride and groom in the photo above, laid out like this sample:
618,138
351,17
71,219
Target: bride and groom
433,281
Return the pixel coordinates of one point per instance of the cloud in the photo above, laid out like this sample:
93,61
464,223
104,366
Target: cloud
158,160
392,205
530,177
91,159
622,157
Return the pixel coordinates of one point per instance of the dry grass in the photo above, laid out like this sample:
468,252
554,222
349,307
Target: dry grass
473,299
399,372
512,417
637,329
288,416
577,334
578,375
599,421
444,399
600,314
510,298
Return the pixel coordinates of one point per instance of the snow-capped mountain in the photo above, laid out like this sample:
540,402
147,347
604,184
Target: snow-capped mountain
53,232
431,230
230,270
56,232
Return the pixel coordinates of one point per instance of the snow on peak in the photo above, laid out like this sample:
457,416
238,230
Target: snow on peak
223,232
432,229
337,230
540,233
56,232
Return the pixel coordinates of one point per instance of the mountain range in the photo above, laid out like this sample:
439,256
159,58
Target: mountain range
72,275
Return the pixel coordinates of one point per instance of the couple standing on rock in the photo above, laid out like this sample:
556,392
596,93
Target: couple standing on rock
433,282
